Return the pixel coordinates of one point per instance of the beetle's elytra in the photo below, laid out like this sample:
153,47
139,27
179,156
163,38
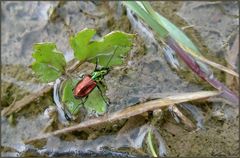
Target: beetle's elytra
84,87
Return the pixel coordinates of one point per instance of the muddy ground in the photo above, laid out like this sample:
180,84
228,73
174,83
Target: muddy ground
213,27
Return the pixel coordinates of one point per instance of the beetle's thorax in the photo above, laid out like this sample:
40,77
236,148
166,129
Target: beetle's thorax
98,75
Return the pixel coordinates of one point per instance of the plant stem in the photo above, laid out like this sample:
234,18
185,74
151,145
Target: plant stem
226,93
150,144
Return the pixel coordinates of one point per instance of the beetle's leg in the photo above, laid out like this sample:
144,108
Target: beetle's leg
101,82
77,107
85,99
102,95
82,103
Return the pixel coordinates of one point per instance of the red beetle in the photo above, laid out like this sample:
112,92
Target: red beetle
89,82
84,87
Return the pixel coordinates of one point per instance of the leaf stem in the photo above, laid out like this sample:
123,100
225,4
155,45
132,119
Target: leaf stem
150,144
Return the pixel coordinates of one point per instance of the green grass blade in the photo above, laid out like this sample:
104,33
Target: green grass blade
150,143
177,34
134,6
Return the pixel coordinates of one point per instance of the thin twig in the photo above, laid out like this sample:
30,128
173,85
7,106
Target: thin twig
74,66
187,27
18,105
48,124
131,111
14,101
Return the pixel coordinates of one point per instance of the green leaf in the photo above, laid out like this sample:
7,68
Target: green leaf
45,72
50,63
95,102
116,60
73,105
79,43
86,49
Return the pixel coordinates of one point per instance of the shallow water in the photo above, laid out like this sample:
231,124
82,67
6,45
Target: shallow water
146,74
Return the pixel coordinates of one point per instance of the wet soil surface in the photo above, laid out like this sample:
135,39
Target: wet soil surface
145,75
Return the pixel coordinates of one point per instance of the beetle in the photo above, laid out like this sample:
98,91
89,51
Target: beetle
90,81
85,86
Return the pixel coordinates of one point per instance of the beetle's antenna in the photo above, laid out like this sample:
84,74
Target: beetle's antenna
97,59
111,56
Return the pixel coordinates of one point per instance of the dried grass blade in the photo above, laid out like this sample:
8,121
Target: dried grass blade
18,105
132,111
203,59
